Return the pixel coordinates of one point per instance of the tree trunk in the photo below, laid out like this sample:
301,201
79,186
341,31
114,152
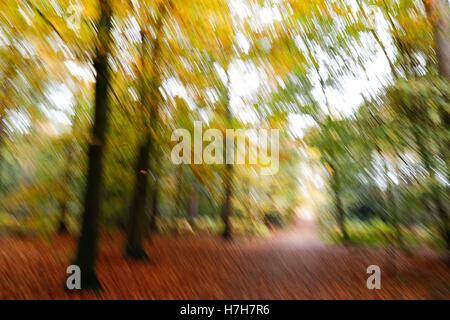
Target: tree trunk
178,199
341,216
62,224
155,165
65,182
439,14
435,191
193,205
2,160
149,98
87,245
135,235
390,205
227,208
154,209
227,205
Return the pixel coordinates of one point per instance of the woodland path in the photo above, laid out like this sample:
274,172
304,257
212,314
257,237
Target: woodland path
292,264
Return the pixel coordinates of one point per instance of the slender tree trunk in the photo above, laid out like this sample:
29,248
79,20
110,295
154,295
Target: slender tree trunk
136,225
2,160
154,209
193,205
391,203
147,152
179,190
443,216
62,222
87,245
341,216
155,167
439,14
65,182
227,208
435,192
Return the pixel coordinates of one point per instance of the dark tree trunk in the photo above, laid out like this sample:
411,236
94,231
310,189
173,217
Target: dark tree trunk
154,209
443,216
65,183
340,211
193,205
136,227
62,224
155,164
227,208
227,205
87,245
2,162
439,15
147,152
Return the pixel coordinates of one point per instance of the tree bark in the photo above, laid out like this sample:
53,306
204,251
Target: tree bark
65,182
87,245
435,191
135,235
227,207
341,216
154,209
439,15
147,151
155,164
193,205
2,160
178,199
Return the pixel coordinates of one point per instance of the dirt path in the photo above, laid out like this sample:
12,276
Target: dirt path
303,232
285,266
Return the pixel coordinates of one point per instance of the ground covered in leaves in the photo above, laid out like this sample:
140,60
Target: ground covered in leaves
282,267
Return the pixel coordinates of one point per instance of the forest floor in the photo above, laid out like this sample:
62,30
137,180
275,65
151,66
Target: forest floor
291,264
